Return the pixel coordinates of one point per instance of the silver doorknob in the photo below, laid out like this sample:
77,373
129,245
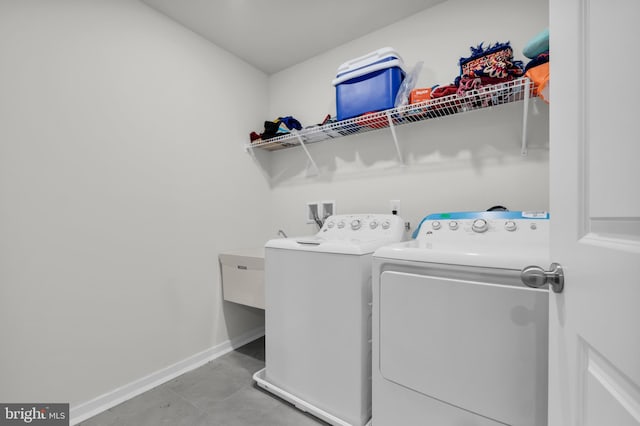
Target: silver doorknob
535,276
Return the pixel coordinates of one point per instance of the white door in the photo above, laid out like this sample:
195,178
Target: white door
594,339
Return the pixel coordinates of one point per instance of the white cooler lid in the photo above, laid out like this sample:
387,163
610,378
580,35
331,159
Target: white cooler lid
377,60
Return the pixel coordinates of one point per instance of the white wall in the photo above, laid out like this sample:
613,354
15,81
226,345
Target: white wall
466,162
122,175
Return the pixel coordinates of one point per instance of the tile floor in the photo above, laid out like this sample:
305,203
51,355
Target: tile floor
220,393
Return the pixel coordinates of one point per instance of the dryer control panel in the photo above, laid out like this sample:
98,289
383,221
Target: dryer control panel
496,239
486,227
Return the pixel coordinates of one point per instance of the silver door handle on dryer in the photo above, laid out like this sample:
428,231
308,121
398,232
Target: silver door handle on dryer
535,276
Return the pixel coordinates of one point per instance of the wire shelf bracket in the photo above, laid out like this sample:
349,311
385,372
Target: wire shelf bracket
525,115
395,137
314,167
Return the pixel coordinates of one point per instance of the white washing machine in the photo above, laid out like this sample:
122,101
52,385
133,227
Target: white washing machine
318,316
457,338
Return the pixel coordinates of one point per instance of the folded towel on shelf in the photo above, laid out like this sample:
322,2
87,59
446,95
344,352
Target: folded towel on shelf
537,45
441,91
539,75
493,61
488,65
467,84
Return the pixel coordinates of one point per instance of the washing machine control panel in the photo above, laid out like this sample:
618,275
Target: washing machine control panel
362,226
485,227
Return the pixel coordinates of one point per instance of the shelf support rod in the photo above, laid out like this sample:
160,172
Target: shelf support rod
395,137
313,163
525,115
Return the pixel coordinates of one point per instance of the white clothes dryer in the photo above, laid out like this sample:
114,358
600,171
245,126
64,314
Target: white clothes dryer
318,316
458,339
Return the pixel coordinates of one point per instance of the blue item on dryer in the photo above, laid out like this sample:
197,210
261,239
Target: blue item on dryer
487,215
368,83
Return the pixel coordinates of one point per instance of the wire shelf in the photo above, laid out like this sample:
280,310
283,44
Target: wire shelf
484,97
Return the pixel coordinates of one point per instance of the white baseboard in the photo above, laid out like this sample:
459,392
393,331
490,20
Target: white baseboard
84,410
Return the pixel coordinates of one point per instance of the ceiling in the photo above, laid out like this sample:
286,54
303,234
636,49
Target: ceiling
275,34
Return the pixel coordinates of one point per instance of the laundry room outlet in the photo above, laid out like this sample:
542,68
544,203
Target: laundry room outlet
394,206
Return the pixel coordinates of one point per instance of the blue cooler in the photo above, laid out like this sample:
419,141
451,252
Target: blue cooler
368,83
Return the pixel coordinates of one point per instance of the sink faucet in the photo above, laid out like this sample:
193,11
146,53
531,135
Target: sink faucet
281,233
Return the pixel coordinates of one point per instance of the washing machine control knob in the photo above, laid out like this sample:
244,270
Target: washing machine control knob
373,224
480,225
510,226
341,224
355,224
330,224
435,224
453,225
386,224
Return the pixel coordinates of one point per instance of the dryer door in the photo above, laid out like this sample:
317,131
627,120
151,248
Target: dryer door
478,346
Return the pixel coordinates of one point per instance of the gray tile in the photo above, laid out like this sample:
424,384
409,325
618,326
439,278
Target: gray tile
159,406
220,393
106,418
287,415
246,407
242,365
254,349
209,384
